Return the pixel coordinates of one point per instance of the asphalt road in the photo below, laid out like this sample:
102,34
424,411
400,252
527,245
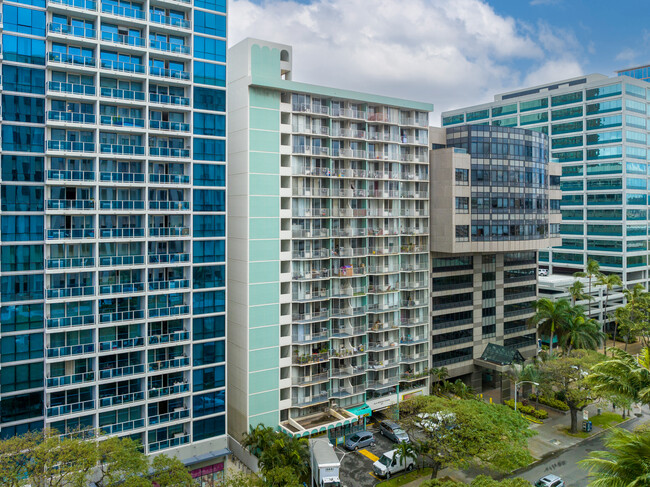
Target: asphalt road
356,467
566,464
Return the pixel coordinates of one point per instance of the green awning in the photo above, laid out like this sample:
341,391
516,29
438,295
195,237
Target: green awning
361,411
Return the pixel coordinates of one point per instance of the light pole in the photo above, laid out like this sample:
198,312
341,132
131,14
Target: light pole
517,385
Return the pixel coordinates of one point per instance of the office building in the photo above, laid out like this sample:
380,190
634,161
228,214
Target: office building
113,222
495,201
598,132
328,255
638,72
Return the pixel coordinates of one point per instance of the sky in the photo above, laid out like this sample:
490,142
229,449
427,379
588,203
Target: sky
452,53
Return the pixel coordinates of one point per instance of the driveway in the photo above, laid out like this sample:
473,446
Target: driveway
356,467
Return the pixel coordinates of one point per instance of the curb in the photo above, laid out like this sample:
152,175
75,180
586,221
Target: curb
557,453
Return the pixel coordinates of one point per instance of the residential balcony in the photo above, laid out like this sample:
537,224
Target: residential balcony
169,73
169,205
122,427
169,126
310,254
310,359
169,417
309,108
348,331
381,307
347,371
72,88
68,292
348,312
121,205
414,357
177,441
83,4
123,11
309,317
383,383
121,316
382,327
169,47
178,336
171,284
71,59
169,312
70,262
113,345
66,380
169,231
382,346
168,258
70,117
122,94
121,177
173,363
413,340
169,152
350,292
306,380
59,175
382,364
70,233
67,146
315,233
105,402
70,408
124,288
351,252
169,391
70,204
169,100
171,21
71,30
121,149
121,371
70,321
348,391
122,39
310,296
301,402
115,121
121,260
122,67
121,232
313,275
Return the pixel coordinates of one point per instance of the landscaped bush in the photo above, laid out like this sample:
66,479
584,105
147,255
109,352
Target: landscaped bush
529,410
551,402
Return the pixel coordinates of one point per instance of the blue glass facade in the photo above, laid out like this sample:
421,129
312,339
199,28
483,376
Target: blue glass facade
112,219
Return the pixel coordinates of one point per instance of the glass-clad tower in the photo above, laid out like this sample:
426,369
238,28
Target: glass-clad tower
113,220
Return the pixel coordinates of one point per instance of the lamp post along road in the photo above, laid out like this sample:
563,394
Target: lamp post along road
517,386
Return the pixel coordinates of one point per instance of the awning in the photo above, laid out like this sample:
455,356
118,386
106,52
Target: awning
361,411
206,456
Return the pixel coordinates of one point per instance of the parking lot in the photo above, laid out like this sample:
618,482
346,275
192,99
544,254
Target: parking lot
356,467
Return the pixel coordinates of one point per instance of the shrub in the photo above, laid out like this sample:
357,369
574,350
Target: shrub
529,410
551,402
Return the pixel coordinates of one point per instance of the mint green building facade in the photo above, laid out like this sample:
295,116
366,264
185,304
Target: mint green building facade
327,250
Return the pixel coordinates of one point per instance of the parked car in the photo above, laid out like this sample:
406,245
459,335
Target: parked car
390,464
542,272
393,432
360,439
550,481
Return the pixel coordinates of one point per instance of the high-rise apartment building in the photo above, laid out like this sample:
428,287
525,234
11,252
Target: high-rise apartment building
328,248
113,221
495,201
598,132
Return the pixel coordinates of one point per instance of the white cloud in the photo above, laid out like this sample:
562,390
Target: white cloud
452,53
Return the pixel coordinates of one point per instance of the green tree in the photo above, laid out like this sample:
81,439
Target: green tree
169,472
480,481
551,317
438,376
580,332
406,450
634,298
462,432
120,462
609,281
259,438
567,378
577,292
623,375
591,270
621,318
625,463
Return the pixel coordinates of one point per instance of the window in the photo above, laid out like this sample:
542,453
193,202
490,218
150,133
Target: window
209,225
17,258
462,177
462,233
21,228
209,276
21,317
209,150
208,302
25,80
209,353
22,198
22,406
209,378
209,124
23,49
604,91
209,99
23,109
211,49
209,251
22,347
208,428
216,5
24,20
209,23
23,139
21,288
209,200
21,377
22,168
211,403
209,74
209,327
209,174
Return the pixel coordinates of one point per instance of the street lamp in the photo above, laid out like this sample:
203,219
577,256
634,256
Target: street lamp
517,386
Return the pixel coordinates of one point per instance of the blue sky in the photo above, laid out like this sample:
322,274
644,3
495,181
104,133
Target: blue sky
452,53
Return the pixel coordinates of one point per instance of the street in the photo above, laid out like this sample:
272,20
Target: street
566,464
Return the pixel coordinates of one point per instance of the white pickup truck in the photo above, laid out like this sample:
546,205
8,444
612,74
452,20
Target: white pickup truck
390,464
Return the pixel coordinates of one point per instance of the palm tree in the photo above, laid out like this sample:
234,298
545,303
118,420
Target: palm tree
621,317
592,270
576,290
580,332
625,463
551,316
624,375
259,439
406,450
633,298
438,375
609,281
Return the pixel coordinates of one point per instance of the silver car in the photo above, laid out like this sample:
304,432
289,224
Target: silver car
550,481
360,439
393,432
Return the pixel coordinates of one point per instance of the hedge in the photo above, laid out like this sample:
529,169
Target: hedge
551,402
530,410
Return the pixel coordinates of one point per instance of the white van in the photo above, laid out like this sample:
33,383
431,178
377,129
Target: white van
389,464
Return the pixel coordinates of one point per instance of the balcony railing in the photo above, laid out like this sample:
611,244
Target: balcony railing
173,21
169,47
77,60
168,152
70,408
59,175
125,426
169,73
57,28
123,11
70,117
122,66
178,336
315,316
121,232
70,204
67,146
121,121
86,4
68,292
121,177
309,379
69,321
173,284
77,89
121,260
309,400
121,316
121,344
122,94
134,150
123,39
169,443
65,233
169,231
121,371
169,391
169,364
310,359
169,205
121,205
169,100
66,380
170,311
168,417
169,178
70,350
310,337
168,258
105,402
